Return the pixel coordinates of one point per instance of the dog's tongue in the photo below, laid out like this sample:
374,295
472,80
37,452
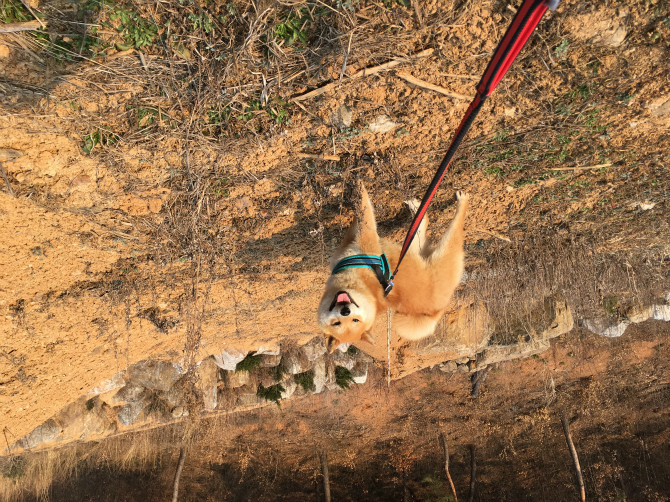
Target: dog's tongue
343,298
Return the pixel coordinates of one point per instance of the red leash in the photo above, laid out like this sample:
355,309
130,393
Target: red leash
523,24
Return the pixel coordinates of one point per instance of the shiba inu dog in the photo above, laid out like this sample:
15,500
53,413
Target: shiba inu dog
424,286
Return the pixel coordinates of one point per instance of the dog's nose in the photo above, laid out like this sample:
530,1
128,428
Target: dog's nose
345,311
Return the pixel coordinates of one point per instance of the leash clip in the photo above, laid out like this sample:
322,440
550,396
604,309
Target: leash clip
388,288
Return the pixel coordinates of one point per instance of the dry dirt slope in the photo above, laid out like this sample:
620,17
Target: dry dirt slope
101,252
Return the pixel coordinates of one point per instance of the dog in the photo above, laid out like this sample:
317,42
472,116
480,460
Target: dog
424,286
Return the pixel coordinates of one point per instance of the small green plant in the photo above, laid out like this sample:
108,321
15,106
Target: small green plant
272,393
278,110
561,50
353,350
90,404
494,171
292,28
305,380
253,106
101,136
201,21
249,363
136,31
343,377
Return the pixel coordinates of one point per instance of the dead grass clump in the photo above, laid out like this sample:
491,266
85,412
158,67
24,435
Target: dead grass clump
34,474
521,282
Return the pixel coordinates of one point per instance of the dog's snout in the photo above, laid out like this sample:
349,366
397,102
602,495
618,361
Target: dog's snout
345,311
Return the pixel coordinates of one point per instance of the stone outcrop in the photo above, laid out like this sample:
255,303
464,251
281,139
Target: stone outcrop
151,391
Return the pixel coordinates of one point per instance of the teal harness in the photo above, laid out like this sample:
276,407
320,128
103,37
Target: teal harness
379,265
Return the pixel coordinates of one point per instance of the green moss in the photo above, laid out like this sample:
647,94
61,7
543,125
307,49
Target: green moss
305,380
272,393
343,377
249,363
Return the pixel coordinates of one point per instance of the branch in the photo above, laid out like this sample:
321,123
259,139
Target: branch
473,472
362,73
575,458
443,440
180,467
25,26
430,87
323,456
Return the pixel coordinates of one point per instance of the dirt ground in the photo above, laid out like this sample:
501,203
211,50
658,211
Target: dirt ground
171,199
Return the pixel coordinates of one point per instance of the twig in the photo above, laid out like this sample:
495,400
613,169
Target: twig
577,168
445,447
180,467
430,87
417,11
473,472
492,234
324,156
575,458
25,26
30,9
9,185
458,75
362,73
323,456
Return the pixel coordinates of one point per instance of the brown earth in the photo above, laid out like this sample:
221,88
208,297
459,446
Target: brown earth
177,237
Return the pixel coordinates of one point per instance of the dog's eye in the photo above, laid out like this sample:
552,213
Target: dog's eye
357,320
336,323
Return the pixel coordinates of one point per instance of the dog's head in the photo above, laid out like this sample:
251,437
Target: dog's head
349,305
346,316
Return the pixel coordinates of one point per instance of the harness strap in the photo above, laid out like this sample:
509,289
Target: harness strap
525,21
379,264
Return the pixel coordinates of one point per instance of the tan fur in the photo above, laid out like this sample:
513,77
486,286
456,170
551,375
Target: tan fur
424,286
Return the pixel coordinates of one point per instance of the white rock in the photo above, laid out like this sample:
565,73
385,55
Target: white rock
228,359
382,123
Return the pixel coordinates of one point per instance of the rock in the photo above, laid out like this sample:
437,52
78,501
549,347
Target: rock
343,359
314,349
116,382
129,412
497,353
320,375
448,366
129,393
295,362
48,431
360,372
235,379
158,375
289,388
661,312
270,360
228,359
178,412
207,379
562,320
382,124
342,117
605,327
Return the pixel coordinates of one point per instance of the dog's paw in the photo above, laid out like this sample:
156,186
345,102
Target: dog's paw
461,196
413,205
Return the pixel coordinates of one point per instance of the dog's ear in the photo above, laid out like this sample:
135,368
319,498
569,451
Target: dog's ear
367,337
363,230
366,233
331,344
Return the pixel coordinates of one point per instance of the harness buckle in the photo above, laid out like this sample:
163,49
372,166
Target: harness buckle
388,288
